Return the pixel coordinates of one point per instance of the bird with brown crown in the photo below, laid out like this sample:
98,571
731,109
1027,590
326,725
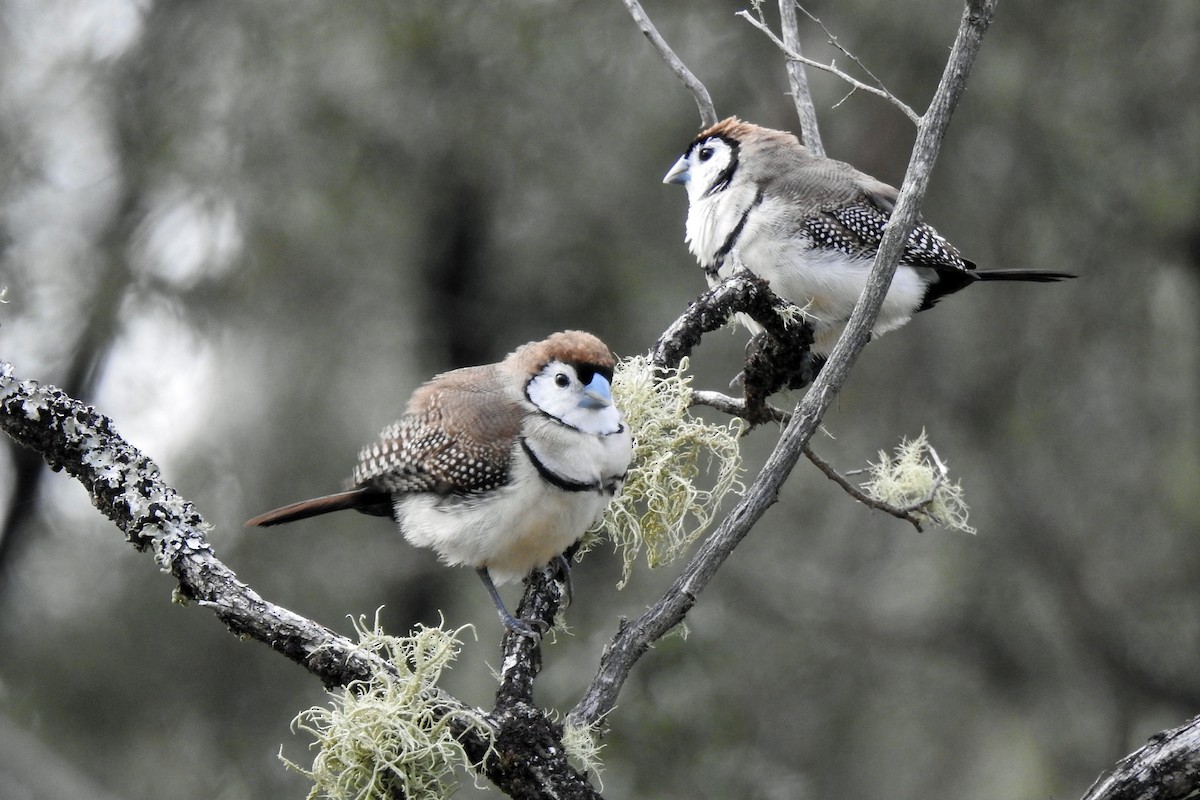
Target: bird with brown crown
500,467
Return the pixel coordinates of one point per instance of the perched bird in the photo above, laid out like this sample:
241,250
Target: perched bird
501,467
810,226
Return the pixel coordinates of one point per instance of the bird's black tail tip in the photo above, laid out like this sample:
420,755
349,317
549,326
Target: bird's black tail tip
1032,275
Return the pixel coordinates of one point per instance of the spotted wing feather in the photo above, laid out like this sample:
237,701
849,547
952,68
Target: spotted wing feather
457,437
858,229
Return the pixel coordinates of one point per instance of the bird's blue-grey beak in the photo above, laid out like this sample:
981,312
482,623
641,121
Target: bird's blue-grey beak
597,394
678,173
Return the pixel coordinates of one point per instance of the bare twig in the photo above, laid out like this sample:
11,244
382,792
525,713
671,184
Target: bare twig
830,68
905,514
833,40
635,638
798,79
708,113
737,408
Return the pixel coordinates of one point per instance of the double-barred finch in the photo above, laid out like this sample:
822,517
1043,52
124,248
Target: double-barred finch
501,467
810,226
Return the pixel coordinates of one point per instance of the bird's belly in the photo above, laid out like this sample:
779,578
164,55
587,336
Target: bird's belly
520,527
827,284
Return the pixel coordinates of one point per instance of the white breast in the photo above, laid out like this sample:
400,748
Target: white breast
711,220
530,521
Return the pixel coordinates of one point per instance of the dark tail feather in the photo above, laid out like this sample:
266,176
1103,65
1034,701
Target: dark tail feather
363,499
1036,275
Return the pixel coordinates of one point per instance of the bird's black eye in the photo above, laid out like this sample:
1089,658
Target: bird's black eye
705,153
561,379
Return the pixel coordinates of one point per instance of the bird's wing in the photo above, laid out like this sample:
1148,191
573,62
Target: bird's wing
457,437
847,210
818,184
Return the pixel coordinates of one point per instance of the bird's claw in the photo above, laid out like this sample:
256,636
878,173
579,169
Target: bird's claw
530,629
564,574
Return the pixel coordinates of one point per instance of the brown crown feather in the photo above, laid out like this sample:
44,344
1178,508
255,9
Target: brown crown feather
570,347
736,129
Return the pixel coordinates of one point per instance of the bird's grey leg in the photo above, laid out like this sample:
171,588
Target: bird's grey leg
564,572
517,626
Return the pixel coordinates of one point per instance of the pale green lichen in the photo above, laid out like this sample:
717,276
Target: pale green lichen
389,732
662,508
792,314
916,480
582,745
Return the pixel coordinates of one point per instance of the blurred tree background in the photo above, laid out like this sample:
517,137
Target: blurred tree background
247,231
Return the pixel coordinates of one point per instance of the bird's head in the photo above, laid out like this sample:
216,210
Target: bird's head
709,162
733,148
570,379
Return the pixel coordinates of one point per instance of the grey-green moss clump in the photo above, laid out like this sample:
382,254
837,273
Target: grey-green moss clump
916,480
661,508
390,731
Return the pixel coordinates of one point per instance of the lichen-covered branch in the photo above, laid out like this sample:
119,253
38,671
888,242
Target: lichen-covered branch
741,293
127,487
1165,768
777,359
858,494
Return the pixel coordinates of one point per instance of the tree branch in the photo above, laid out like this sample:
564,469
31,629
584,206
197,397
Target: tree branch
798,79
738,408
905,514
793,55
740,293
633,639
708,113
1165,768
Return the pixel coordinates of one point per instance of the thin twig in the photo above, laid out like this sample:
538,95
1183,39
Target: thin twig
798,79
905,514
830,68
737,408
833,40
708,112
909,513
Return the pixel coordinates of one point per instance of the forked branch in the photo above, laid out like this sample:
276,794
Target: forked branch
792,55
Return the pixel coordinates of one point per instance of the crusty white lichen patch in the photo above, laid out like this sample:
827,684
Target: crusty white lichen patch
124,484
